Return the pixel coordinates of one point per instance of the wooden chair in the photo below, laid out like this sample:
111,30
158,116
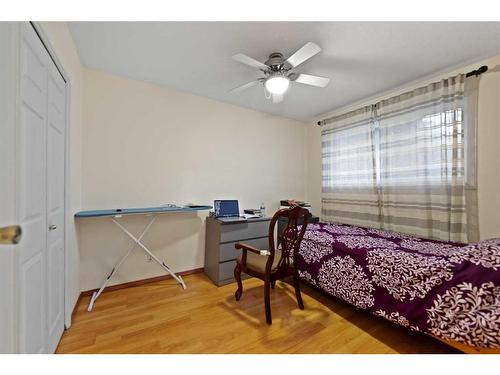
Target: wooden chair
275,263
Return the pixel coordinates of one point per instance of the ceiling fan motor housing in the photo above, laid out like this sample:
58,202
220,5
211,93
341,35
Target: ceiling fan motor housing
276,61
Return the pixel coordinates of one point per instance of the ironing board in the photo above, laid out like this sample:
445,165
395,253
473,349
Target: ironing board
152,213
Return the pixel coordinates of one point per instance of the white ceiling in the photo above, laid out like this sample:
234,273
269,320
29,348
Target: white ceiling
361,58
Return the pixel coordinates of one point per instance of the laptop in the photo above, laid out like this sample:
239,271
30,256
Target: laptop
227,210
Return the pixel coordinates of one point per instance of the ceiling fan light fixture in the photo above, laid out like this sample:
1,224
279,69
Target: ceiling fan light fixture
277,84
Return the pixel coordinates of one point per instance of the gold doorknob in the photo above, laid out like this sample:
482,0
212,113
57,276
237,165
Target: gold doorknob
10,235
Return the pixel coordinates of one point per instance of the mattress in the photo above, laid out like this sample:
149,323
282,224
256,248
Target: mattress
448,290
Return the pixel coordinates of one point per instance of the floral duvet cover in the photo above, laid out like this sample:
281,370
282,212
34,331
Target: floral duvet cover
446,289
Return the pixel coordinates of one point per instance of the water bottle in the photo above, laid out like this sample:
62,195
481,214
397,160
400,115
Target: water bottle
262,209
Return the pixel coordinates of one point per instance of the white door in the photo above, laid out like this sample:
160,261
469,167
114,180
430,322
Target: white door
56,116
31,169
8,82
55,205
40,197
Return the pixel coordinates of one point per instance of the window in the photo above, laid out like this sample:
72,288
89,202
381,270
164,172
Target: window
405,164
422,151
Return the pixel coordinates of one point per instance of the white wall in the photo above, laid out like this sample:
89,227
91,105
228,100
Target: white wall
488,145
61,41
314,168
489,154
145,145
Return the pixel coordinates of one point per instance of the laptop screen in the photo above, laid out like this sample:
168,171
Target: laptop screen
226,208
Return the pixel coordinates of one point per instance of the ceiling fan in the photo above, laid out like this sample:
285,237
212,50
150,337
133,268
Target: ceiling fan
278,72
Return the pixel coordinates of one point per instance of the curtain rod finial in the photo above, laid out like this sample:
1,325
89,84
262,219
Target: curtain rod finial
478,71
482,69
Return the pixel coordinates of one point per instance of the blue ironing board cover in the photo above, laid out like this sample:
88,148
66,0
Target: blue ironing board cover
141,210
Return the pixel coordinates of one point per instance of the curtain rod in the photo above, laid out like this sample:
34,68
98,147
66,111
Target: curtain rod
477,72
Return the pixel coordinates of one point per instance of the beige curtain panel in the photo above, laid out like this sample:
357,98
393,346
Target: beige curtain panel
406,163
349,178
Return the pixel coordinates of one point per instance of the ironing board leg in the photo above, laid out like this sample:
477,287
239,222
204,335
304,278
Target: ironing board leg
178,278
96,295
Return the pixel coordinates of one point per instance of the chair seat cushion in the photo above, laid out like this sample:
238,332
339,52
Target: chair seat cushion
258,262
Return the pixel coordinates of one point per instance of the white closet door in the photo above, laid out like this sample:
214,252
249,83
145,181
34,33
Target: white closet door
40,139
56,114
8,215
31,169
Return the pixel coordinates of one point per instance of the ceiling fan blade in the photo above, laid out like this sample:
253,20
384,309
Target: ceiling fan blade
244,87
249,61
304,53
277,98
312,80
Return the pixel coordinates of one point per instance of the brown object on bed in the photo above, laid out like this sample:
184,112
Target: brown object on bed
274,264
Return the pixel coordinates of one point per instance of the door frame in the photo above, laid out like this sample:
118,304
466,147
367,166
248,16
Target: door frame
68,261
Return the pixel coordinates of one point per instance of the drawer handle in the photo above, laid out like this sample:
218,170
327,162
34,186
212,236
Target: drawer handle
53,227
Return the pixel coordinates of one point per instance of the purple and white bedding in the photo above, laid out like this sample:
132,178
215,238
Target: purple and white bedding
445,289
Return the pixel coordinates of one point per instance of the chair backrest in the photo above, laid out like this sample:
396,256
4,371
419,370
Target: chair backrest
290,238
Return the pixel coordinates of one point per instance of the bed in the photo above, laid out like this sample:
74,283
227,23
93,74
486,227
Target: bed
448,290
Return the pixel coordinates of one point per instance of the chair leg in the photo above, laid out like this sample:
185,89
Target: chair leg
296,284
237,276
273,283
267,301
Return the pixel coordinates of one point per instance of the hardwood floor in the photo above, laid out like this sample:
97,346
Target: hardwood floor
162,318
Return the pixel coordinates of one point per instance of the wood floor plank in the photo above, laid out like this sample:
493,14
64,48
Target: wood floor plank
162,318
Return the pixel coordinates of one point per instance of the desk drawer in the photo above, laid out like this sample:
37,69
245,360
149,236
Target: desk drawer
226,273
229,275
242,231
226,270
228,252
